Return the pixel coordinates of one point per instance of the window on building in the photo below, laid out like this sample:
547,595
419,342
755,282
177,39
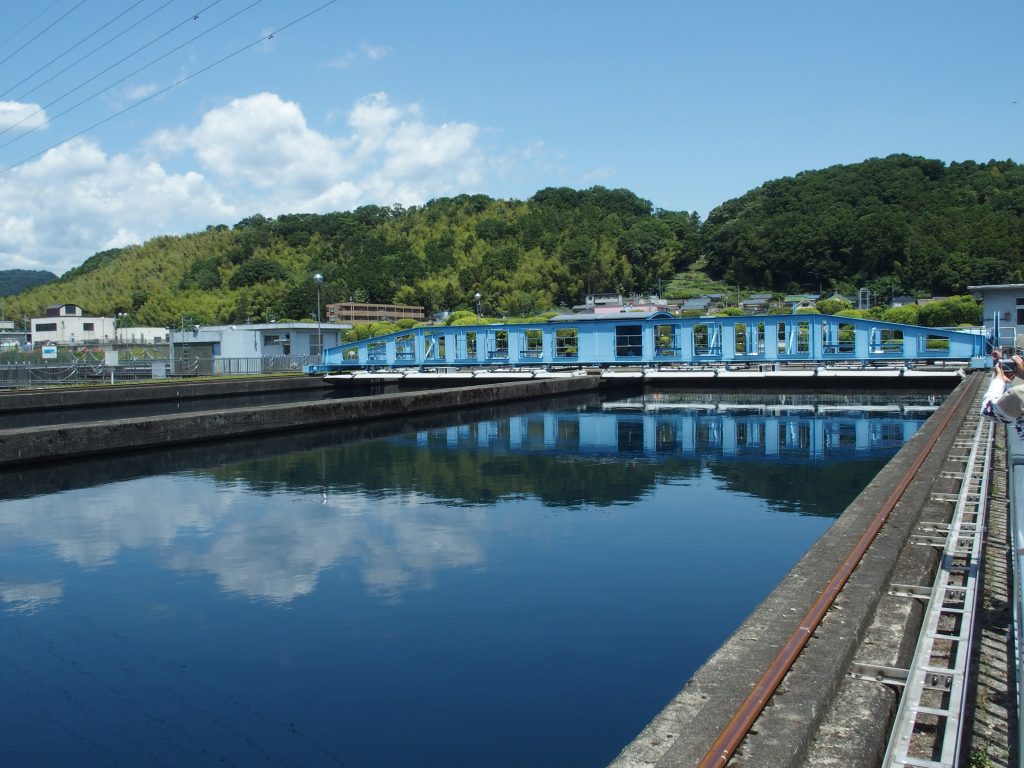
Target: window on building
628,341
567,342
45,327
88,326
1020,311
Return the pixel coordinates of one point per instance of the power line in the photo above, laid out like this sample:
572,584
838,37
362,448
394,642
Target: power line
98,48
192,17
27,24
69,50
175,84
45,29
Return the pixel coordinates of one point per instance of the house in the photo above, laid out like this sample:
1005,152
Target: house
614,303
68,324
700,304
839,297
902,301
756,303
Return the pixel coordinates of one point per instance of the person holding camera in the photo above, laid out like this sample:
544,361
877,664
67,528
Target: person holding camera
1004,398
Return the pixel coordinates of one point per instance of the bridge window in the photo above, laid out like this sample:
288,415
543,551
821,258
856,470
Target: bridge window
533,344
935,343
405,347
567,342
794,338
434,346
886,341
628,341
465,345
749,339
499,346
839,338
665,341
377,352
707,339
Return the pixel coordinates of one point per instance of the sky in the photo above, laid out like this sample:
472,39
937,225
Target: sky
122,120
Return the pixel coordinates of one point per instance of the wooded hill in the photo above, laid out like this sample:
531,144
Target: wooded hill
14,281
899,225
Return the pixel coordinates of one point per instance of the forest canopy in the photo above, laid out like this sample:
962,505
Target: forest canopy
897,225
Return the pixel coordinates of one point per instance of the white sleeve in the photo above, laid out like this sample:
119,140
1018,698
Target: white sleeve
994,392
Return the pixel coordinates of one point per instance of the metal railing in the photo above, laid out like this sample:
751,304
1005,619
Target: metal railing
935,684
91,371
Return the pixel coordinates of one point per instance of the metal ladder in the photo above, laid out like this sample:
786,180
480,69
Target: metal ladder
934,688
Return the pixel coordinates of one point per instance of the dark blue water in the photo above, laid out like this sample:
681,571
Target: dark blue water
528,589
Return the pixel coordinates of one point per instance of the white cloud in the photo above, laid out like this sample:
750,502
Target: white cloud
366,52
136,92
75,201
16,117
252,154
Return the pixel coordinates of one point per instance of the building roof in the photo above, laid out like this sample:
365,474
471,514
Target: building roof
304,326
577,317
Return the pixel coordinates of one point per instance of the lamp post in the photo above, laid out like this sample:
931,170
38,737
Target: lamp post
118,322
319,278
477,297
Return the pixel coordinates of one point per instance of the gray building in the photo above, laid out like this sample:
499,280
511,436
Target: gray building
290,344
1002,312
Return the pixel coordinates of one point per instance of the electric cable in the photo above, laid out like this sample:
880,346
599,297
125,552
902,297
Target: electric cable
175,84
45,29
98,48
27,24
69,50
192,17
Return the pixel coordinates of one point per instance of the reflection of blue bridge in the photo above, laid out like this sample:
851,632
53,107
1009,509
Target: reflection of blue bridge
786,433
658,341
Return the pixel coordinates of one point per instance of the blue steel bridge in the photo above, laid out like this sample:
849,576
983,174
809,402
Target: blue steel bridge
650,344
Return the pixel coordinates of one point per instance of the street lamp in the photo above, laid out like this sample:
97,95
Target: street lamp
477,297
318,278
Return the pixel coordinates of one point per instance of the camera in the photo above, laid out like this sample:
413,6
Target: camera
1007,365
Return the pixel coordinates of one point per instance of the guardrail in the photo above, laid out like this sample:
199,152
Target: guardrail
1015,487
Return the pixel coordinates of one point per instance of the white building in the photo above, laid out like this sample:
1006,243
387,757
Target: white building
68,324
259,339
1002,312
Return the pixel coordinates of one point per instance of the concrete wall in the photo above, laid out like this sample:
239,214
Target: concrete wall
39,444
82,397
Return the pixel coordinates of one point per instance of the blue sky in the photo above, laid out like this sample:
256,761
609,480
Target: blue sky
687,104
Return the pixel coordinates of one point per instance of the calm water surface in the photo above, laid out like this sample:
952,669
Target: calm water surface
509,588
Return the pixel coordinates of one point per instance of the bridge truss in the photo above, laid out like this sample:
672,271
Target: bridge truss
657,340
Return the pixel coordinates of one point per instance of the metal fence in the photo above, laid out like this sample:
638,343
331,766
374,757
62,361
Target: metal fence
96,372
